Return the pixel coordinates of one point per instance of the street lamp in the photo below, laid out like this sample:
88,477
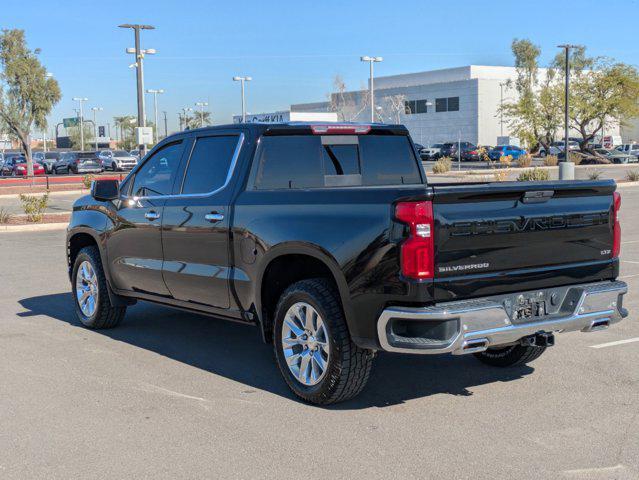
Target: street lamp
201,105
242,80
501,107
371,60
564,172
44,130
155,109
95,128
139,67
80,101
185,116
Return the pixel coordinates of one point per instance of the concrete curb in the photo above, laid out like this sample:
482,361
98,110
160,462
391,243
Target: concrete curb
51,194
627,184
36,227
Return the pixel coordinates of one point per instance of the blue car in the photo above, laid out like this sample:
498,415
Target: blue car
505,150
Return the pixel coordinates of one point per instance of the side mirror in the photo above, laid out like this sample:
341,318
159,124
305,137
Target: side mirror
105,190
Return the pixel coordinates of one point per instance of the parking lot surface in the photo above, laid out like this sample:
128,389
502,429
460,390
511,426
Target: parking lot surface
173,395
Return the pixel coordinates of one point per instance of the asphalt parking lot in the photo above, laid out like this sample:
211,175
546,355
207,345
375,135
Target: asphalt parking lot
175,395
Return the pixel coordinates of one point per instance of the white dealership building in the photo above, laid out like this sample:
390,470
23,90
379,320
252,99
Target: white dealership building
437,106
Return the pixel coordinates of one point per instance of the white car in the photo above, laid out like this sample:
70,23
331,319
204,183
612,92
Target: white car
431,153
629,148
557,147
117,160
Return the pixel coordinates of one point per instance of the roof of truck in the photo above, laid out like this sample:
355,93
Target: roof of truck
309,127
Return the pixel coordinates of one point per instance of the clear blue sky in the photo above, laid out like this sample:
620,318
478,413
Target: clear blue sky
292,49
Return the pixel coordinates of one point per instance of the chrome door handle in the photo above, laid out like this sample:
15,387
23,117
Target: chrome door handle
214,217
151,215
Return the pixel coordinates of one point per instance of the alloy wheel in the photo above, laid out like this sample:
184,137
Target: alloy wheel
86,288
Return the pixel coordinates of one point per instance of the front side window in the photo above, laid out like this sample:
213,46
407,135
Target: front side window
157,174
209,164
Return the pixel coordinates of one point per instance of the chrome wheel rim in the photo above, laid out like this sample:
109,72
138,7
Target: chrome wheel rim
305,344
86,288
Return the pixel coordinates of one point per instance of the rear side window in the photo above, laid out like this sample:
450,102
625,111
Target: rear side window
309,161
209,164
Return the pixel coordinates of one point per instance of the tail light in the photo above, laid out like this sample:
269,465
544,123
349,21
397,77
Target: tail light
616,236
337,129
417,252
473,152
77,161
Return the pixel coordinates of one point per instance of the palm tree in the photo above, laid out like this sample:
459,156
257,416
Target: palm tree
199,119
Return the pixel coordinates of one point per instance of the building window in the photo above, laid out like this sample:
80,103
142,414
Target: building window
450,104
415,106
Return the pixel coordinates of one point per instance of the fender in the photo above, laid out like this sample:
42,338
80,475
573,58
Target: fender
312,250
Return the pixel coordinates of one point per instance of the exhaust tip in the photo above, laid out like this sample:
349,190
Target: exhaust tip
475,345
601,324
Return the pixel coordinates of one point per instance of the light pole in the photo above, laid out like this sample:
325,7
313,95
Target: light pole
44,130
80,101
139,68
155,109
166,125
370,61
95,128
201,105
185,116
501,107
242,80
563,173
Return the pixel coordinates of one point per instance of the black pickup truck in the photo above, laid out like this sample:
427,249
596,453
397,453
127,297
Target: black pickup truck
329,239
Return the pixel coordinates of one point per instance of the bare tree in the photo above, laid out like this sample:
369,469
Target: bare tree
348,105
393,106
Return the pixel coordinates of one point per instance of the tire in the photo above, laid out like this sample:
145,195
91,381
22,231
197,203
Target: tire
511,356
103,314
346,366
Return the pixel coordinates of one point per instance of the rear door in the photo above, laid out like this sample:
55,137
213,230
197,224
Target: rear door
195,224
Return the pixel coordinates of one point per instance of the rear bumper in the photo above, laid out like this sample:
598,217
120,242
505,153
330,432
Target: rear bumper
471,326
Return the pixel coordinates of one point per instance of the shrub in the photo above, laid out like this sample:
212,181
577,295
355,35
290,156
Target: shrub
4,216
551,160
632,176
442,165
501,175
594,175
575,158
88,180
34,206
506,161
525,160
534,175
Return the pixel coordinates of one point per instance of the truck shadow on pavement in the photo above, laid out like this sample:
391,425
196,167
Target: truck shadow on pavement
236,351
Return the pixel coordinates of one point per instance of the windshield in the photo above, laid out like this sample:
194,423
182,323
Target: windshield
52,155
121,153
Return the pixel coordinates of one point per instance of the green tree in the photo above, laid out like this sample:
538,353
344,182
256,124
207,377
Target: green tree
536,113
600,88
74,136
126,124
198,119
27,94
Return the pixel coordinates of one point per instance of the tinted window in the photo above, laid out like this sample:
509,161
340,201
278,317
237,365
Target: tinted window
52,155
421,106
289,162
209,164
441,105
341,160
388,160
156,176
453,104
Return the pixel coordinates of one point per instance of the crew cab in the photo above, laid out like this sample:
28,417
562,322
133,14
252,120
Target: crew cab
329,239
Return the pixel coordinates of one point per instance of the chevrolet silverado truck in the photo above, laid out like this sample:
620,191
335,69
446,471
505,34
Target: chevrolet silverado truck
330,240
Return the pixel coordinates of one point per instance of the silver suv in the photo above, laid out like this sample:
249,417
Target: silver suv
117,160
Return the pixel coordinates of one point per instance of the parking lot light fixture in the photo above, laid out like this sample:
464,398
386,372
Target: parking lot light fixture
80,101
139,67
155,108
370,61
201,105
242,80
566,47
95,128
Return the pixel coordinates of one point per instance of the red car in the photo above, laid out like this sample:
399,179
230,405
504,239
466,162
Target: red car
17,166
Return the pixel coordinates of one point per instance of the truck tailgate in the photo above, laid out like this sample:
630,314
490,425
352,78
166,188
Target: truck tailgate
513,236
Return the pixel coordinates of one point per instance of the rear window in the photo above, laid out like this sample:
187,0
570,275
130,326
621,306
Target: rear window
309,161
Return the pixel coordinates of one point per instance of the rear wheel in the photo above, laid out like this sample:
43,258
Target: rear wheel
313,348
510,356
92,303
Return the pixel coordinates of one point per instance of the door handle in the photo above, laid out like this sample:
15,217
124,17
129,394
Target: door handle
214,217
151,215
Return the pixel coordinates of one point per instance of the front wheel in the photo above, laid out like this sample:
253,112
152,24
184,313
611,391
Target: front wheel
92,303
313,349
510,356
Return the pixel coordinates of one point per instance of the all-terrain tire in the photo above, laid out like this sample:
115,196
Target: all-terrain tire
348,366
105,315
510,356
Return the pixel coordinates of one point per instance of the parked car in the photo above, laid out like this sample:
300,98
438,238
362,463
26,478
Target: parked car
329,239
557,147
16,165
506,150
135,153
450,149
431,153
629,148
117,160
47,159
78,162
616,156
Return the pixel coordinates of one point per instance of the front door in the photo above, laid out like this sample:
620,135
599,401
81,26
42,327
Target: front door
134,248
195,223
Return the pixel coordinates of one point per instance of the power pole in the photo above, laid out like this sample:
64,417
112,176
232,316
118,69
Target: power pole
166,125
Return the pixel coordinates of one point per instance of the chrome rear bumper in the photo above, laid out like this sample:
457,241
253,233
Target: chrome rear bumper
471,326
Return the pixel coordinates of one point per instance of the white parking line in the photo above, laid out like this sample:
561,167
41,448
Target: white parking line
630,241
618,342
630,261
630,276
